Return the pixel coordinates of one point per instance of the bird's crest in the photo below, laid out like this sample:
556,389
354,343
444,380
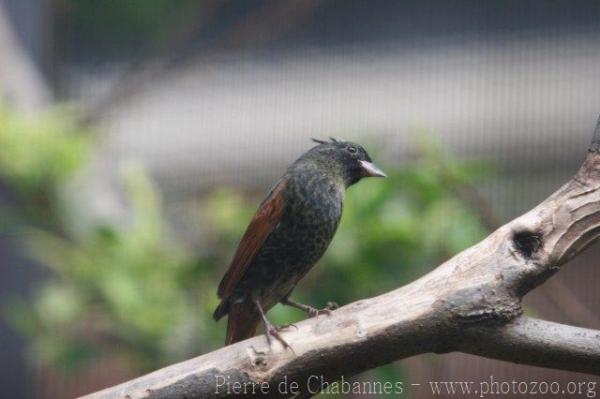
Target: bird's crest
333,140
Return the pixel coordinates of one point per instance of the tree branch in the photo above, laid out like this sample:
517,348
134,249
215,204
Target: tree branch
471,303
539,343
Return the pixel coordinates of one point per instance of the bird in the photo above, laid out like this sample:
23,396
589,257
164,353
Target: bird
289,233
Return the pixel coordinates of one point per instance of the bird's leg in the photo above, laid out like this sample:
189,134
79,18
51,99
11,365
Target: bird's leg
312,312
305,308
271,330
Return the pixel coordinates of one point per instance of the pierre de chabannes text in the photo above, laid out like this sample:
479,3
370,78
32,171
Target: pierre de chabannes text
481,389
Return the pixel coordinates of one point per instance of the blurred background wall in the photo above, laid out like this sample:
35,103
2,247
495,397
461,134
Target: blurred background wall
215,92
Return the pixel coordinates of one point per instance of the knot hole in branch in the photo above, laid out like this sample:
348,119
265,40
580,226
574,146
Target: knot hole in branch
527,242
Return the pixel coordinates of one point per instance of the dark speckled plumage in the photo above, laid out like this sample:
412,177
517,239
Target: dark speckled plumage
310,199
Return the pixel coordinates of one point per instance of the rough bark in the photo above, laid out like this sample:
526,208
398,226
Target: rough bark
538,343
471,303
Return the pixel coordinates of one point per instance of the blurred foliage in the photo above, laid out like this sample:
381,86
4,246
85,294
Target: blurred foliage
37,155
115,289
136,291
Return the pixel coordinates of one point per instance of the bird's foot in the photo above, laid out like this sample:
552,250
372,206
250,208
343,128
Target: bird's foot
270,330
284,327
313,312
274,332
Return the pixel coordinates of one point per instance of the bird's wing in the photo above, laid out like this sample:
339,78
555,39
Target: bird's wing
263,223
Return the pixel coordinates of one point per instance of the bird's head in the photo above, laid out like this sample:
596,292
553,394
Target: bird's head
346,160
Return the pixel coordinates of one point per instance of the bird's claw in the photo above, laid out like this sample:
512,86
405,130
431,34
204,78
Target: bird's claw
274,332
313,312
284,327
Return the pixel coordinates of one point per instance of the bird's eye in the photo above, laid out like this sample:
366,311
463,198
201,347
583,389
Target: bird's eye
352,149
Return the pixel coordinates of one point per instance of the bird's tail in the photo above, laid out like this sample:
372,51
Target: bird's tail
242,323
221,310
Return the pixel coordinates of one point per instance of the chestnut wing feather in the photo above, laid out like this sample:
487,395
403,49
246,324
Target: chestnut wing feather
262,224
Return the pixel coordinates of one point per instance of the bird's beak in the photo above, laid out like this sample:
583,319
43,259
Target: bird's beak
371,170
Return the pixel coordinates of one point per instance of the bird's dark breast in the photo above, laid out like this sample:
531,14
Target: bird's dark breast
313,210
